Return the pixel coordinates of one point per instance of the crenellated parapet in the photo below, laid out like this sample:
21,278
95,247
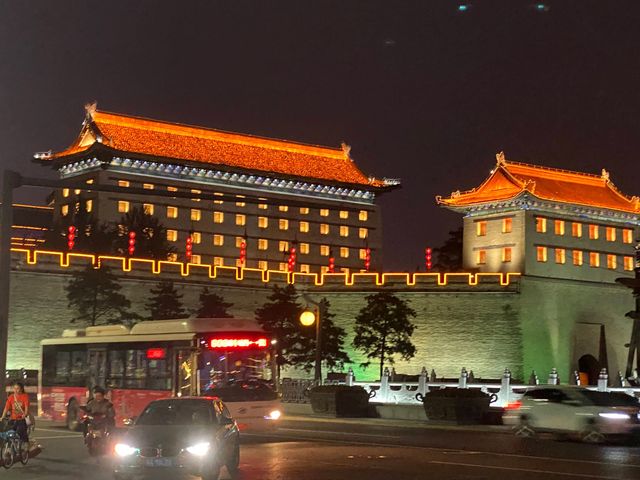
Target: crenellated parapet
64,262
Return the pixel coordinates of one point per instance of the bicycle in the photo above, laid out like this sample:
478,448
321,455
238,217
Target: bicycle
12,447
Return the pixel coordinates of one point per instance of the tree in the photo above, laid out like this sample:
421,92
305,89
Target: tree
383,329
280,317
90,236
165,302
212,305
151,235
94,294
331,343
449,255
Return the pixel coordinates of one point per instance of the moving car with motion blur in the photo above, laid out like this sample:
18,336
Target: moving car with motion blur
179,437
589,415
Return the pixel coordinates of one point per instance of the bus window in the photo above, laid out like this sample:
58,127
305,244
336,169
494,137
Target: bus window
63,366
136,369
116,369
237,376
159,375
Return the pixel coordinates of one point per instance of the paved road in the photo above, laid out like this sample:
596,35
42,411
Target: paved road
319,449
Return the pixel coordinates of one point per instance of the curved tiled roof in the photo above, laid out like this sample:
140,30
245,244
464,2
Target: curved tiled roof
196,144
510,179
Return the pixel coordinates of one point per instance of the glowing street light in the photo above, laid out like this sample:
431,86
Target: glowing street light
307,318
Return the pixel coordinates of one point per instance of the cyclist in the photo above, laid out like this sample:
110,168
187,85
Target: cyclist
18,407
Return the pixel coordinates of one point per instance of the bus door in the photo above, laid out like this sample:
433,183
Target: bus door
97,368
186,373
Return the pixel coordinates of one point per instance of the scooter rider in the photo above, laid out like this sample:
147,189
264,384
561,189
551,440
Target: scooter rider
99,405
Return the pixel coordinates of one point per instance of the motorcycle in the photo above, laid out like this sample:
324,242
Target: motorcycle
96,437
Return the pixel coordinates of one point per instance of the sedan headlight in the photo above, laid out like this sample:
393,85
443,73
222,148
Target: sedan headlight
124,450
274,415
615,416
199,449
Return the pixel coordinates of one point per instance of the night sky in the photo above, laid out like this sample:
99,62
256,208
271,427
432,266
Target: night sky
421,91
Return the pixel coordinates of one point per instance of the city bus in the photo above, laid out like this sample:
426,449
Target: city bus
230,358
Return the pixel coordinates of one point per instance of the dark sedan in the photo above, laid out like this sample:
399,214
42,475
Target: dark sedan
189,436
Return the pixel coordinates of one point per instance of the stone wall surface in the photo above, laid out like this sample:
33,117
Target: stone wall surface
533,323
457,325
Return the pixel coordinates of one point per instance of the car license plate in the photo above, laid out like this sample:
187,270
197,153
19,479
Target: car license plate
159,462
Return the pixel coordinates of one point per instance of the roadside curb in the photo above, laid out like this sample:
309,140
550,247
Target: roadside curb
379,422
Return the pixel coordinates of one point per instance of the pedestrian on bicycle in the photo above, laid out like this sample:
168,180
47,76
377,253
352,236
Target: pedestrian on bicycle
18,407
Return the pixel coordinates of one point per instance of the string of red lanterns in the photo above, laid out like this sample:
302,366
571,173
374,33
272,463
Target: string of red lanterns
71,237
427,258
132,243
189,247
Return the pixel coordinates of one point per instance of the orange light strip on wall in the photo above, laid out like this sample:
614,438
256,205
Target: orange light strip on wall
157,267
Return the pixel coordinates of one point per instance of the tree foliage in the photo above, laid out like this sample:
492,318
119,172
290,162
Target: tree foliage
165,302
383,329
280,317
212,305
151,235
94,294
90,236
449,255
331,343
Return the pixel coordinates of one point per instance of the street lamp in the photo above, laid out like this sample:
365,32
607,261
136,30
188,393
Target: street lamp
307,318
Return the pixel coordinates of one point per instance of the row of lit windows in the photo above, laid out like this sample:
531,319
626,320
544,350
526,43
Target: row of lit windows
363,215
559,229
578,258
481,226
241,219
560,257
576,230
263,244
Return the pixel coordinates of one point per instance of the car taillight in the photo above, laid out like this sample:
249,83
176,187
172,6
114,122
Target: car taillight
513,405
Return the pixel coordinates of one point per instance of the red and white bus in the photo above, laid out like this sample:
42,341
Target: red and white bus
226,357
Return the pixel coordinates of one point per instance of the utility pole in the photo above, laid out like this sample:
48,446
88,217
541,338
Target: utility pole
10,180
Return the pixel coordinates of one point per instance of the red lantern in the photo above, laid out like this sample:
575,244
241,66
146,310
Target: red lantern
132,243
292,259
427,258
71,237
189,247
243,253
367,259
332,264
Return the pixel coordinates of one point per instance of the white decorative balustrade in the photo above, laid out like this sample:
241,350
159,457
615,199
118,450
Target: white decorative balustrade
386,391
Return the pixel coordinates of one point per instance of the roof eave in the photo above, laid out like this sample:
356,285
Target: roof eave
106,151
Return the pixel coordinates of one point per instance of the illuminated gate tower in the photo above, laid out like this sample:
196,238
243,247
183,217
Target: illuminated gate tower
274,195
547,222
571,235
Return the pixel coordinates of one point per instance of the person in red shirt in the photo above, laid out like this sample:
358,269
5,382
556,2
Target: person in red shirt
18,407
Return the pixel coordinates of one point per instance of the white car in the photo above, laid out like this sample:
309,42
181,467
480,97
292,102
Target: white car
565,410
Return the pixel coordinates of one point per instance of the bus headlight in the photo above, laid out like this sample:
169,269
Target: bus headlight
274,415
199,449
124,450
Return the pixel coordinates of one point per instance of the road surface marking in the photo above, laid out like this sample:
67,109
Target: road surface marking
519,469
56,436
436,449
57,430
341,433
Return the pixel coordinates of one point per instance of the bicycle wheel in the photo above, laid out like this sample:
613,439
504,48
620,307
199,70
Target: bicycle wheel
24,453
7,455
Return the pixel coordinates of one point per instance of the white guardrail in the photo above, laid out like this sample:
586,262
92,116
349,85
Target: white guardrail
406,393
